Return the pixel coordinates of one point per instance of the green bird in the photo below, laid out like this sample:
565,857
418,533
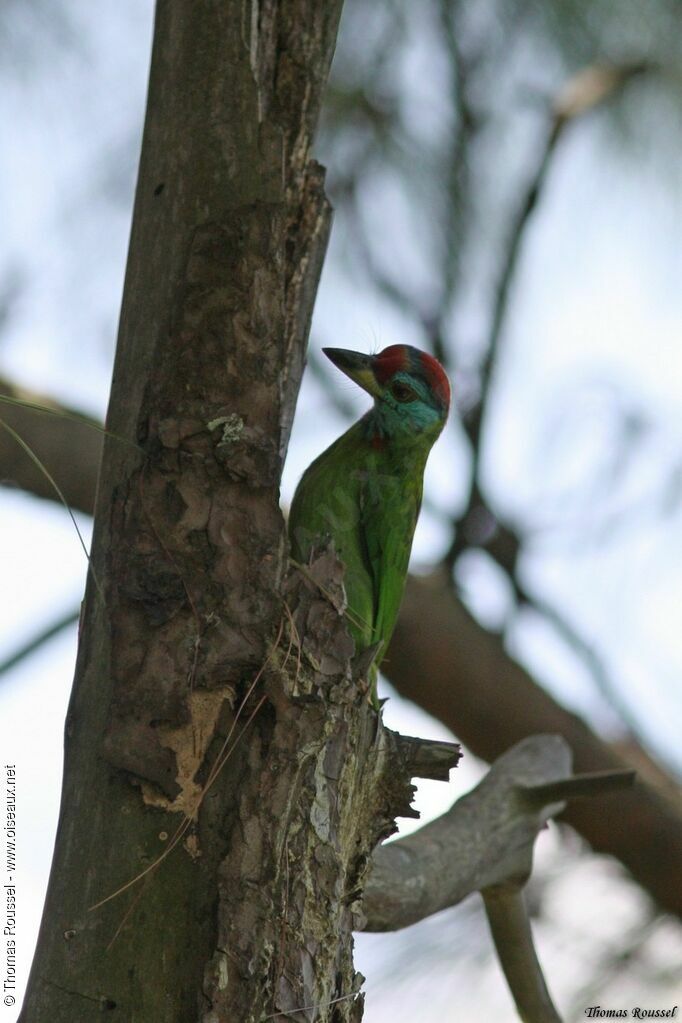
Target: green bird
364,492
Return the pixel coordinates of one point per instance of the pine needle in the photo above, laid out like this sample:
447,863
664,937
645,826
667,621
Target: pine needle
73,417
309,1008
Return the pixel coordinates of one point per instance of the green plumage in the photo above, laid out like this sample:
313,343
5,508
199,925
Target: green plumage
367,501
364,492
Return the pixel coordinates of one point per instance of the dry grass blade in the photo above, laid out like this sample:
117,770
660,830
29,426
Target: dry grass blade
295,638
308,1008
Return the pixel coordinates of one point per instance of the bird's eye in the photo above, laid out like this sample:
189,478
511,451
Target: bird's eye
402,392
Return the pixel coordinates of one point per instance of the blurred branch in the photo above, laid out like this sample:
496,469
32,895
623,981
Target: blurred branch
68,448
485,843
478,524
584,91
441,658
42,637
384,120
585,651
12,285
458,199
504,546
390,289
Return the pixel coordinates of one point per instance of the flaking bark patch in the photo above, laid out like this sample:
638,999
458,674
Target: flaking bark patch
189,743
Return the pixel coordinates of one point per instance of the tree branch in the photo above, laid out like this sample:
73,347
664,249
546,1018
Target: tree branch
485,843
582,92
456,670
513,939
485,840
590,657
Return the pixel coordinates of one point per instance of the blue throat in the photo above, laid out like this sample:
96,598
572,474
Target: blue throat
415,421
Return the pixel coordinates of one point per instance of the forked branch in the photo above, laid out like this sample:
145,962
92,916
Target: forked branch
485,843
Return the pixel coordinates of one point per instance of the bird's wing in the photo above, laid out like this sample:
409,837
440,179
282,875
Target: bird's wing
388,516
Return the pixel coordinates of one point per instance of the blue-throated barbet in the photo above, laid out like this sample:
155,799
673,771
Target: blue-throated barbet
364,492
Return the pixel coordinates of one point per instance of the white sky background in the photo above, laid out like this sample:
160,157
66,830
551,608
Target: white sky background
598,301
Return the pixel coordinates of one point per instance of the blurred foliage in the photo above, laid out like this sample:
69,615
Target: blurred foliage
440,107
35,32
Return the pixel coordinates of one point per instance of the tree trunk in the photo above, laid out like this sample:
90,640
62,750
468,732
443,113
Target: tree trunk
189,659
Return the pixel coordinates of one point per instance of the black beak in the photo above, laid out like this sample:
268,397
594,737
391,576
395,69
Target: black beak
355,365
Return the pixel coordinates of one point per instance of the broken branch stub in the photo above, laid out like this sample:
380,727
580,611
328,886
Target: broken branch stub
485,839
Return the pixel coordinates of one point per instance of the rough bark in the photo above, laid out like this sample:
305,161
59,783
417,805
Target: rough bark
490,702
190,640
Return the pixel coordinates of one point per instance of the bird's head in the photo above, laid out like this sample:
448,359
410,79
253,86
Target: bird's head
410,388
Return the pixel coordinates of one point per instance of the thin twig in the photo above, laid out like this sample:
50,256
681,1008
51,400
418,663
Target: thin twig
474,420
579,786
42,637
458,180
58,491
580,94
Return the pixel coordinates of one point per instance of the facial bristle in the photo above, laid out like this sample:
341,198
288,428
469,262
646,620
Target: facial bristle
407,359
